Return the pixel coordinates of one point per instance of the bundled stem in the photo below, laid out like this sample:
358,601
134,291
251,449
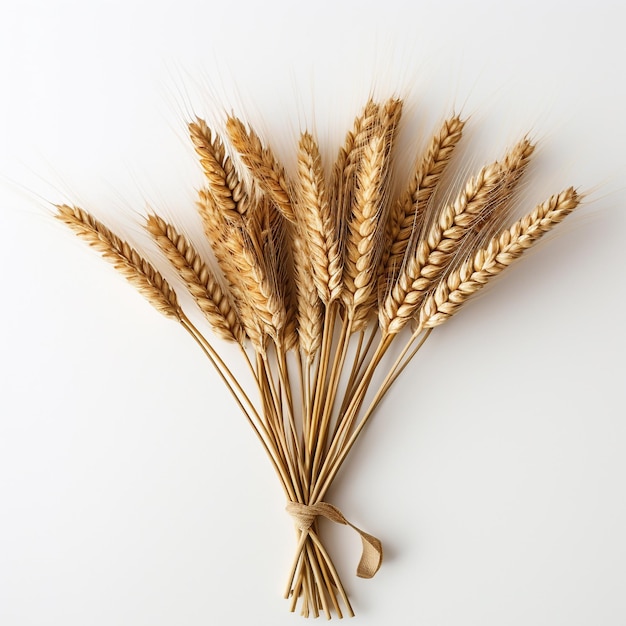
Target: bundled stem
316,279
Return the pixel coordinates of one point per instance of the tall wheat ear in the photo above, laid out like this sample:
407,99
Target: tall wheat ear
366,226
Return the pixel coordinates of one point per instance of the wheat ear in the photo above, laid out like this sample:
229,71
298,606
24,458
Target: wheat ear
494,258
514,165
512,169
366,226
315,216
276,241
213,301
498,205
407,212
344,172
257,261
228,242
256,289
224,184
262,164
125,259
432,254
349,157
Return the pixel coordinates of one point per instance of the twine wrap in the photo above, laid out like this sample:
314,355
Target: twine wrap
304,516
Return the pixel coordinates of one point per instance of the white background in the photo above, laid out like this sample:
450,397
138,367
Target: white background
131,490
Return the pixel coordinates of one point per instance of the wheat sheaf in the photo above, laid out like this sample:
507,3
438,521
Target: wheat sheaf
315,276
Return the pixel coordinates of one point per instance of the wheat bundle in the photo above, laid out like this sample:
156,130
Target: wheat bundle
316,277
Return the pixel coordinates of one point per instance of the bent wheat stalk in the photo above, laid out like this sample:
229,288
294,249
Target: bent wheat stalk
316,279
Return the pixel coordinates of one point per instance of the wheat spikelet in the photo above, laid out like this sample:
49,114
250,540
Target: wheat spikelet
407,212
433,253
213,301
125,259
493,259
315,214
260,160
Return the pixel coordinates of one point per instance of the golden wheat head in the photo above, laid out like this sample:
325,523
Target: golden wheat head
125,259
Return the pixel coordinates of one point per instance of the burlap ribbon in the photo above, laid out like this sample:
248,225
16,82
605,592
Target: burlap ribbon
304,516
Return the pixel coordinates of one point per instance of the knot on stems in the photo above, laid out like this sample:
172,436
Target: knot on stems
304,516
